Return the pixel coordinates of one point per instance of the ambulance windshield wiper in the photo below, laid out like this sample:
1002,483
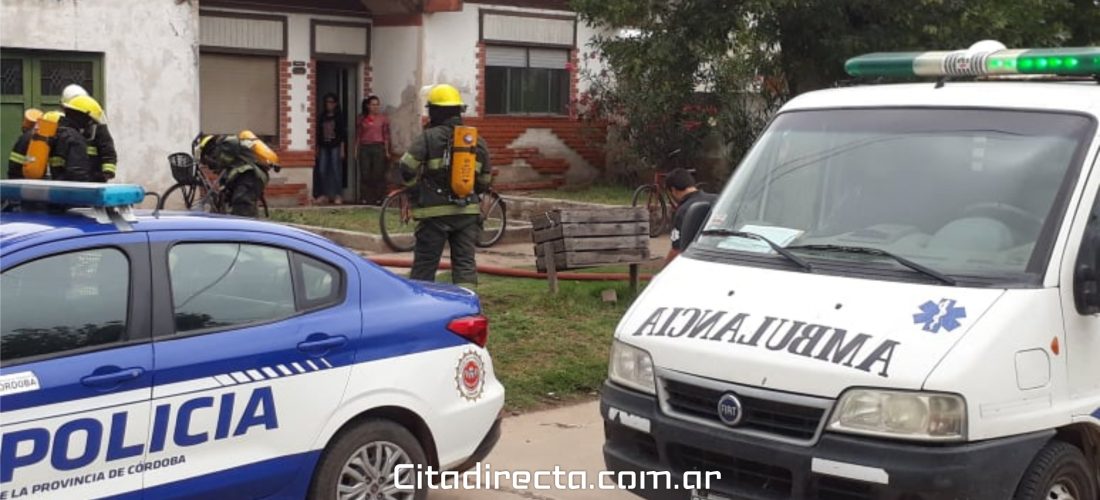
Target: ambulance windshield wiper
753,236
881,253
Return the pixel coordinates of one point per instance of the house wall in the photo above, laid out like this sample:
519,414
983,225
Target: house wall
396,80
151,70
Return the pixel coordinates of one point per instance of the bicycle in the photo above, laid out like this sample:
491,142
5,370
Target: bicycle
397,225
201,189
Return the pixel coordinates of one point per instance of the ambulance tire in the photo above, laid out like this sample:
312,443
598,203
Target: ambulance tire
1059,471
350,441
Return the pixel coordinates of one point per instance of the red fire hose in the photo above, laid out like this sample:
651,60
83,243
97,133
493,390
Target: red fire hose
514,273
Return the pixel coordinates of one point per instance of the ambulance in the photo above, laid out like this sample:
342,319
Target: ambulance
896,296
177,355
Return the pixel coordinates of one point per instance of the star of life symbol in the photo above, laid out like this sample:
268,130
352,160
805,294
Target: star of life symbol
939,315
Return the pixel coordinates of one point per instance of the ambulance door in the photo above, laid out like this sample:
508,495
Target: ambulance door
75,368
1082,347
253,338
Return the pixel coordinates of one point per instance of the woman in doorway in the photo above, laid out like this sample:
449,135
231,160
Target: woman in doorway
330,152
373,136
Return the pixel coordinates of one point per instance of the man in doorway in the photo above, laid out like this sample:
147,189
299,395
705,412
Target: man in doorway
681,185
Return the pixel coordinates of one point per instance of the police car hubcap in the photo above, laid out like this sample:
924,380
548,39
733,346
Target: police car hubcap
370,473
1060,492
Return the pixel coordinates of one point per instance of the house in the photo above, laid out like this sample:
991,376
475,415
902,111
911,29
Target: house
166,69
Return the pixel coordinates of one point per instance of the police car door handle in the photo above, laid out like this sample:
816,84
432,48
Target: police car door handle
112,378
322,344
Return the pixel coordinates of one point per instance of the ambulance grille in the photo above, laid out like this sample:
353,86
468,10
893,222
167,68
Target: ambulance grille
767,416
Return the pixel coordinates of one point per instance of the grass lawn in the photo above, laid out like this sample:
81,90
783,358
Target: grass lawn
549,349
362,219
599,193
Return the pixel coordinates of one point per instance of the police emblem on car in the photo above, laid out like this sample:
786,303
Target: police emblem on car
729,409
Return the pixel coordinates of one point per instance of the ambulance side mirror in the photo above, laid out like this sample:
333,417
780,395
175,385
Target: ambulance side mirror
694,218
1086,275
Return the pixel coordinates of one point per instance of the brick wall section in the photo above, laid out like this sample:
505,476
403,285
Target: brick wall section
480,78
284,103
368,83
574,79
311,106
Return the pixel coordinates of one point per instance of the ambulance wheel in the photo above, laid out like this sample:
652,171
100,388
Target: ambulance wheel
362,464
1059,472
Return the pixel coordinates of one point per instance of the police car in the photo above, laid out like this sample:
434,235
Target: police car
175,355
896,296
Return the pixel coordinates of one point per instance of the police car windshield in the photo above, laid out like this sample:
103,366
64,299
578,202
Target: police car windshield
961,191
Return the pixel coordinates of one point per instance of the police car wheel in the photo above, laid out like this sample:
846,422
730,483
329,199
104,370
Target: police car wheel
1059,472
362,464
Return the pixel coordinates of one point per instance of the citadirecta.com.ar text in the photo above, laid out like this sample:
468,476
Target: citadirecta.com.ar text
483,476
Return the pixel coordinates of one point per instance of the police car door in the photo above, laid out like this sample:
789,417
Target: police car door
75,367
252,334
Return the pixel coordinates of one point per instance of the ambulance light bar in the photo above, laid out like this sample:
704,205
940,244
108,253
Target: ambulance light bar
76,194
1080,61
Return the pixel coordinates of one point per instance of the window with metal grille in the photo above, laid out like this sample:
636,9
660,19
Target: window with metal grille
11,76
526,80
56,75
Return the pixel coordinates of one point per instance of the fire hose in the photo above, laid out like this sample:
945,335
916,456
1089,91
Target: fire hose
513,273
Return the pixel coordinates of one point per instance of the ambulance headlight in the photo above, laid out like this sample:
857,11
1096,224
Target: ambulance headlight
901,415
631,367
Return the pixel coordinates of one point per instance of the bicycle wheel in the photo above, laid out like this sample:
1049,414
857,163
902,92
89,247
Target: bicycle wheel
185,194
654,203
396,223
493,220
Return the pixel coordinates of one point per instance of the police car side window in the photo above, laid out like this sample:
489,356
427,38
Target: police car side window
64,302
321,283
217,285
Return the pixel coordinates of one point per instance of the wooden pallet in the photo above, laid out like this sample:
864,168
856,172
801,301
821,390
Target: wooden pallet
576,238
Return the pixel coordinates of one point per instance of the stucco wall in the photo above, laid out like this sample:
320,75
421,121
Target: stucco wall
150,69
395,60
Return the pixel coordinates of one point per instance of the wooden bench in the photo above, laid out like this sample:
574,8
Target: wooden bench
583,237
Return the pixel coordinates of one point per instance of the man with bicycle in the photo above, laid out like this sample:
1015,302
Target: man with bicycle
442,217
681,186
246,174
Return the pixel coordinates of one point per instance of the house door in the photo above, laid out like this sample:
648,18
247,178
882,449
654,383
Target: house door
339,79
36,79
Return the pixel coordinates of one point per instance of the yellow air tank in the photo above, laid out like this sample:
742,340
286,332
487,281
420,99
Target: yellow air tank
38,151
262,151
463,161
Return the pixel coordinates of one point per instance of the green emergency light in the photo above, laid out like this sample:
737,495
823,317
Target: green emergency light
987,58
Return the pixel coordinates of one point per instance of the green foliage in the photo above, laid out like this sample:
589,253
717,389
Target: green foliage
742,59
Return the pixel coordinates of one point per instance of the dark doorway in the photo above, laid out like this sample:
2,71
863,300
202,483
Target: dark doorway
339,79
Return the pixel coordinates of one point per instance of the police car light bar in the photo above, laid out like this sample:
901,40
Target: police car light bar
979,61
76,194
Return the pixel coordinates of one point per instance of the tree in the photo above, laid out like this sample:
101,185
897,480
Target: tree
747,57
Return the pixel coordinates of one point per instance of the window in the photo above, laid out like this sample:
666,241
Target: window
521,80
64,302
224,284
321,283
238,93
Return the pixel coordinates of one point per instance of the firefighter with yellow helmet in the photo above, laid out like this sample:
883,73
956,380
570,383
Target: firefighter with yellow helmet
55,149
101,146
246,159
447,167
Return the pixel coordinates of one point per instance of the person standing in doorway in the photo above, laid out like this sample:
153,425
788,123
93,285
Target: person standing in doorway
330,152
373,152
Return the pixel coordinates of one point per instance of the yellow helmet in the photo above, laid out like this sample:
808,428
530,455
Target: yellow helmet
30,117
87,105
444,95
51,116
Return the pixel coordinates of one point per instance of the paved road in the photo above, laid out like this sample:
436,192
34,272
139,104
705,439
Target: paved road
570,437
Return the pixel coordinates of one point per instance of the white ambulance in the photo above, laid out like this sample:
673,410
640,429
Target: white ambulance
896,296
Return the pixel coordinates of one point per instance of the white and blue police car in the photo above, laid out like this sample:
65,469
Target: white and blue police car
176,355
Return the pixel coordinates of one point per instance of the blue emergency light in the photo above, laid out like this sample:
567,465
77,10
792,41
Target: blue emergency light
75,194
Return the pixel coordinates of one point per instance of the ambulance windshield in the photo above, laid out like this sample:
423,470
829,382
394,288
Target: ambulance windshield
965,192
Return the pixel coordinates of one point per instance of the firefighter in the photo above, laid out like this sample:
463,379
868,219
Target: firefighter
67,157
101,146
246,160
442,216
